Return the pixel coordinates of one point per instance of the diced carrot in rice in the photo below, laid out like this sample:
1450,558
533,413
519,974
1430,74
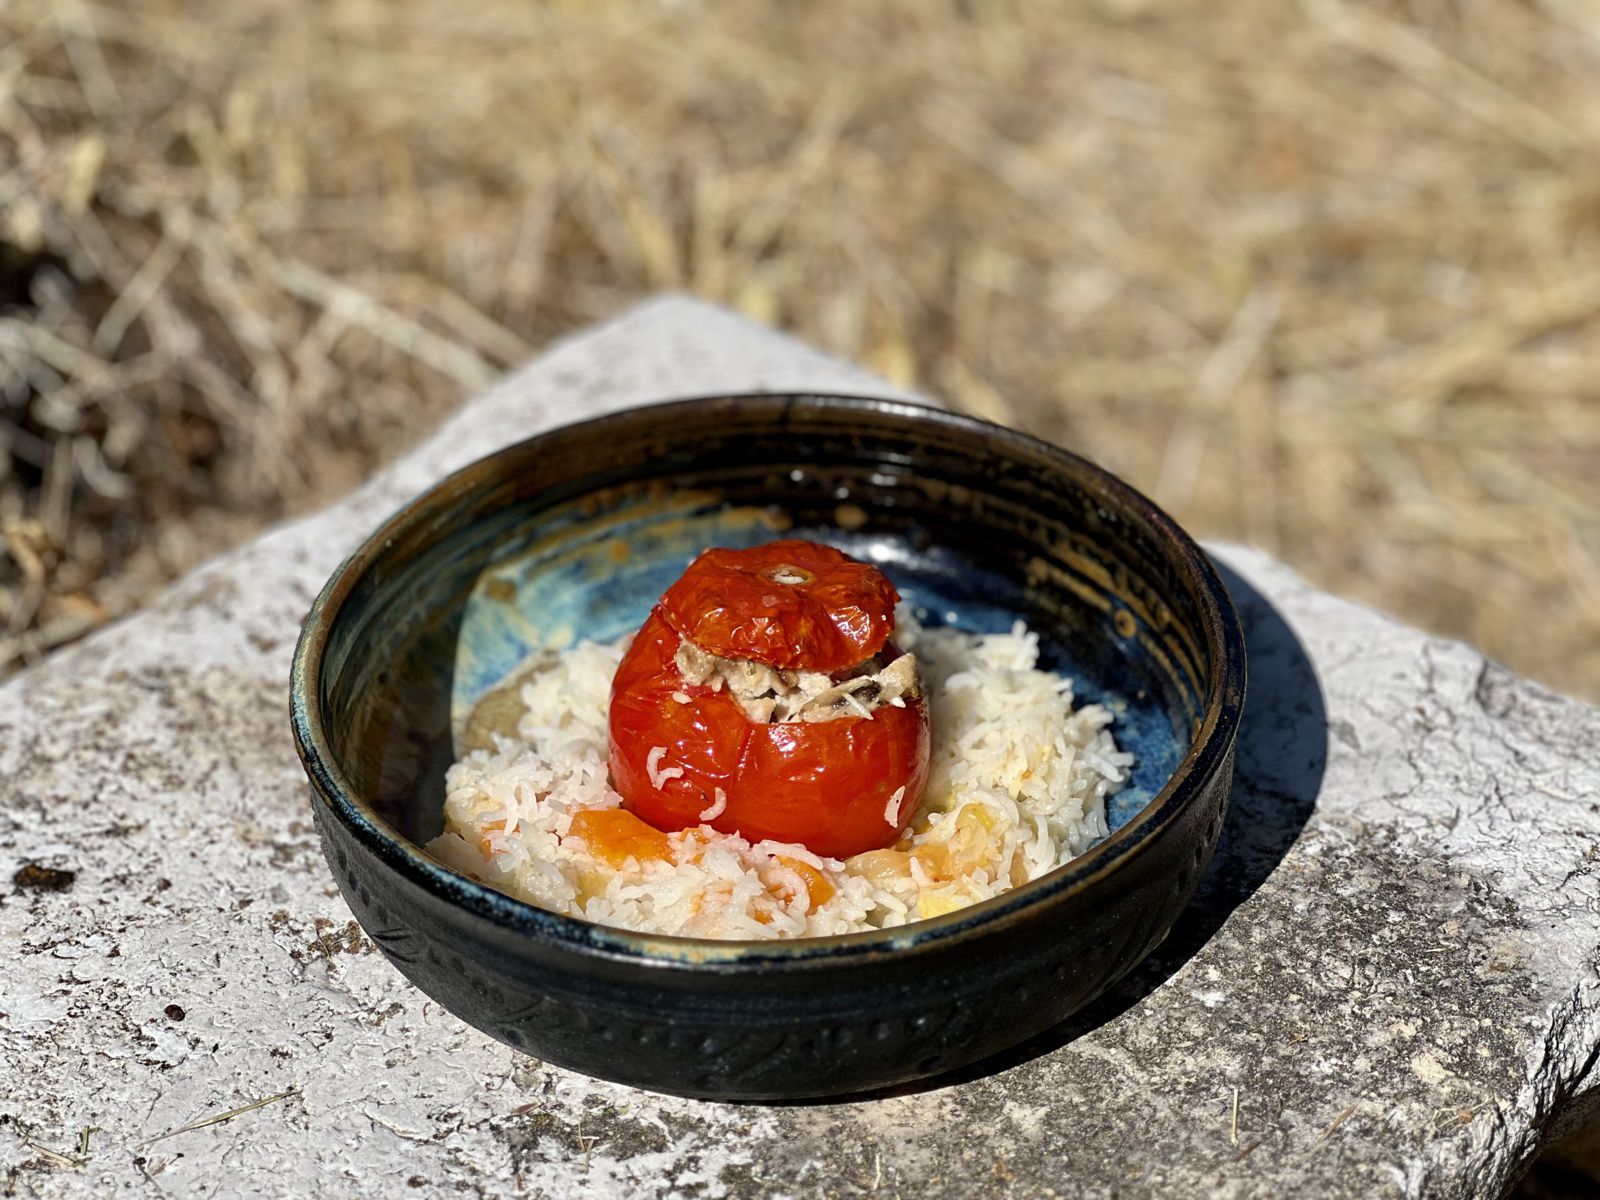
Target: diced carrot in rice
615,835
818,890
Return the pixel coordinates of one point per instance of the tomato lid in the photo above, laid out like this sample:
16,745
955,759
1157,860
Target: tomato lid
794,605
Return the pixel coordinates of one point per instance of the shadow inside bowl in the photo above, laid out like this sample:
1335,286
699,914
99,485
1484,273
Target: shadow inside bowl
1282,752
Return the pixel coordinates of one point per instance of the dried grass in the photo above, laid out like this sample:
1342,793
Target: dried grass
1322,276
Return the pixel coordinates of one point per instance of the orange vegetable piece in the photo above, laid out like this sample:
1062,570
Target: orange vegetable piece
615,835
485,843
817,886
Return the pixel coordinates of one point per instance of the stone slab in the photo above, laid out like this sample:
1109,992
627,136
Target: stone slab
1389,984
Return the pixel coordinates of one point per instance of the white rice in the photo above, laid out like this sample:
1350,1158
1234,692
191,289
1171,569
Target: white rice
659,774
718,804
1017,786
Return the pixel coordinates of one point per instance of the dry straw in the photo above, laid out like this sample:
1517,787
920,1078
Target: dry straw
1322,276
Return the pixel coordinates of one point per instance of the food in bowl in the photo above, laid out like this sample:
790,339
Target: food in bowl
764,697
781,750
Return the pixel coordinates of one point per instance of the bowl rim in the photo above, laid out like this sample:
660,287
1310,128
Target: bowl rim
1207,753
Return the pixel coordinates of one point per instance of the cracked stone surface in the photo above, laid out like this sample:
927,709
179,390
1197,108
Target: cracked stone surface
1389,984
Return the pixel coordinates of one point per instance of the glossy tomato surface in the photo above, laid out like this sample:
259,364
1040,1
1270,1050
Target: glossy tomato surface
791,604
829,785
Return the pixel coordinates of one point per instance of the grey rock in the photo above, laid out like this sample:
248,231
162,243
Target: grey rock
1389,984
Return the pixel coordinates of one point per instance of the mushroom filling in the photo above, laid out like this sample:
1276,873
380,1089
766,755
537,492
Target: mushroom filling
769,695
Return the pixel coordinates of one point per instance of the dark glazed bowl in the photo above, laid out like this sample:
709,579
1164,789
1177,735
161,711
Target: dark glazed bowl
574,534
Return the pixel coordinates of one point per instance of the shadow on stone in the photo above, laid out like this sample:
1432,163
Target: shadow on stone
1281,754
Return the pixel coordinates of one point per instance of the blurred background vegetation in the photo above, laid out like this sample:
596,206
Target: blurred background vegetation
1320,276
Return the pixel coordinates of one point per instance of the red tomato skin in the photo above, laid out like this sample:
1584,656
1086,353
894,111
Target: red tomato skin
825,784
729,603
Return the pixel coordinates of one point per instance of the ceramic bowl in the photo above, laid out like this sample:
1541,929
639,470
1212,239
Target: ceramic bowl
573,534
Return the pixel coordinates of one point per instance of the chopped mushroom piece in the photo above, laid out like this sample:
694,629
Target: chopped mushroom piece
696,665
